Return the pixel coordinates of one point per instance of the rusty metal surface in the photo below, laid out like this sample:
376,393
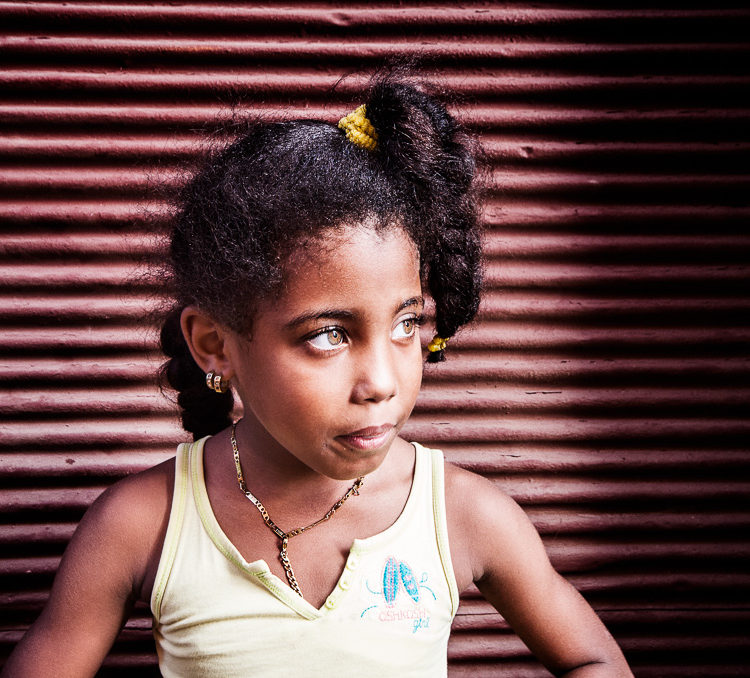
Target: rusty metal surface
605,386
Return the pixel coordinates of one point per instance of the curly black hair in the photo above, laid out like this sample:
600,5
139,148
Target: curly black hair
280,184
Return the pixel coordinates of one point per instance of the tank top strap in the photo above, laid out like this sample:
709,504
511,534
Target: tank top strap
174,528
437,476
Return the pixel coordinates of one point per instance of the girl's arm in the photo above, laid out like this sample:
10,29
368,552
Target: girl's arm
99,579
499,549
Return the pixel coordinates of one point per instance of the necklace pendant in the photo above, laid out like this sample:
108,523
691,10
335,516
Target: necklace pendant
284,536
284,558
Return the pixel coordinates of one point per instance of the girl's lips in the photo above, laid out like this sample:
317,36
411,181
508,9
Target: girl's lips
369,438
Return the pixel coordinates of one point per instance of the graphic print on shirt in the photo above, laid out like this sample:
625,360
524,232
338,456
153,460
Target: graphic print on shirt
411,607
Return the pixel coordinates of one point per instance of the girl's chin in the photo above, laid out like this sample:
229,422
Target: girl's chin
354,463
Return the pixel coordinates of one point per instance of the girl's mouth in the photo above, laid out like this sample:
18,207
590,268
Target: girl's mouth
370,438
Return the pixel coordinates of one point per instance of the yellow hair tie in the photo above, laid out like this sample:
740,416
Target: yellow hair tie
359,129
437,344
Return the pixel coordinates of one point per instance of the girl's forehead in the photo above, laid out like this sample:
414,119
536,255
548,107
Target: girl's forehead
388,246
336,241
351,264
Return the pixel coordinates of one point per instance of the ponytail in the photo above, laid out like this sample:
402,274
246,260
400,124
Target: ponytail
203,411
421,144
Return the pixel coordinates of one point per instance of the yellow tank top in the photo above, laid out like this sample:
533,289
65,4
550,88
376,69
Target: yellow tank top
215,614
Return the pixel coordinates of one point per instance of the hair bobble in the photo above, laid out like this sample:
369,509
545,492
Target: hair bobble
437,344
359,129
436,349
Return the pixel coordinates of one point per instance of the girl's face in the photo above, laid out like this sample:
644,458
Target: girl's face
334,364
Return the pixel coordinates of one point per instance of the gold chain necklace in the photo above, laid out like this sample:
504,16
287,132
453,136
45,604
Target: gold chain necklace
286,536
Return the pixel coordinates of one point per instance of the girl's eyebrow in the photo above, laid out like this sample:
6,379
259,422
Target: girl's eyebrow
332,313
343,314
413,301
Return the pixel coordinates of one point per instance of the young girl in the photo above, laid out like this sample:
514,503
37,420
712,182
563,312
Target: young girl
308,538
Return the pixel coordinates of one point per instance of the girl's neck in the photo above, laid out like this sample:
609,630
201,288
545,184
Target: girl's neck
272,470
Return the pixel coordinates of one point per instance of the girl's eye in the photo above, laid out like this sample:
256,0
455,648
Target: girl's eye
327,340
406,328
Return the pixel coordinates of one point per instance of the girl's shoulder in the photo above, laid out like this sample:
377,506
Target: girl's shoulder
129,521
483,522
148,489
137,499
471,496
101,575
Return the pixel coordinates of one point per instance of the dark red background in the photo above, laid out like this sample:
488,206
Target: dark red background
606,383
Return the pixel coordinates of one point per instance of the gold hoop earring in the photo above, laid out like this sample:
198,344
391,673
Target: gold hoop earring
220,386
216,383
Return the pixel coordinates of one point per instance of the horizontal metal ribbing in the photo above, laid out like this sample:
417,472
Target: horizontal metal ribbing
604,383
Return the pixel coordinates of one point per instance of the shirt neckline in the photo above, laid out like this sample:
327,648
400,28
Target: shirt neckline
259,569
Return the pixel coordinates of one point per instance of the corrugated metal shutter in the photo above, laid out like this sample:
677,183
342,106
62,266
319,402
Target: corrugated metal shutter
606,384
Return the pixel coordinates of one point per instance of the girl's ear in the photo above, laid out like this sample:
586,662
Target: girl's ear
205,339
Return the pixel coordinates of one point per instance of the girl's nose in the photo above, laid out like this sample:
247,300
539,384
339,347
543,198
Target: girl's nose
377,377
